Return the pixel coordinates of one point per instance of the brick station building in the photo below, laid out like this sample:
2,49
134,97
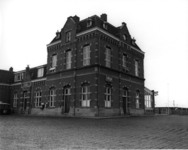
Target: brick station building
93,69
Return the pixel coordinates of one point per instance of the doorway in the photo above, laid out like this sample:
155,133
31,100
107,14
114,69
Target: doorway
25,101
125,101
66,99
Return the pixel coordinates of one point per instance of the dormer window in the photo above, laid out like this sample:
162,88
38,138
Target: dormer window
68,36
133,41
19,76
105,25
89,22
57,35
40,72
124,37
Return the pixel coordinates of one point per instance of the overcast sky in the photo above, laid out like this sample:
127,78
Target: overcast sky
160,28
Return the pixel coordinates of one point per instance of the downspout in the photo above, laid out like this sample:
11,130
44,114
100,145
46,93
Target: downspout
98,77
75,80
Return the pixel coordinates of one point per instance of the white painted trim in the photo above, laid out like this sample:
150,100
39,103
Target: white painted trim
16,84
5,84
36,80
137,49
53,43
101,30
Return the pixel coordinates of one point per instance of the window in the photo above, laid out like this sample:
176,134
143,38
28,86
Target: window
40,72
86,55
148,100
68,36
105,25
15,99
19,76
137,99
124,60
124,37
68,59
125,95
89,22
52,97
108,96
54,61
136,67
108,57
38,97
85,96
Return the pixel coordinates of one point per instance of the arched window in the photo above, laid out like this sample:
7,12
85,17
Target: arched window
15,102
38,96
52,97
85,98
137,99
108,96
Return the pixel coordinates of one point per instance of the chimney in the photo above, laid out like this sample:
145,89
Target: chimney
27,69
11,69
76,19
104,17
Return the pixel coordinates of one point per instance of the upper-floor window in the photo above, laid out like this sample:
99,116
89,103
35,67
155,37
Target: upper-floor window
124,37
40,72
85,97
52,97
89,22
68,36
105,25
108,57
68,59
124,61
108,96
136,67
86,55
15,99
19,76
38,97
137,99
54,60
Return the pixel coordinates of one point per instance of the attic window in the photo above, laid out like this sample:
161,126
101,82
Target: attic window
105,25
124,37
89,22
133,41
40,72
57,35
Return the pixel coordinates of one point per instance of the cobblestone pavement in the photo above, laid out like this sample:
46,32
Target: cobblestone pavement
154,132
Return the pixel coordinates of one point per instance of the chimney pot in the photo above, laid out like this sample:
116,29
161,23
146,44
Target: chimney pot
104,17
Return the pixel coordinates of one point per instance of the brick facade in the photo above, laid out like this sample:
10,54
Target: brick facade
82,77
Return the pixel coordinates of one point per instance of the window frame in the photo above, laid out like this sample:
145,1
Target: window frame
85,95
40,72
54,61
68,56
38,98
108,57
15,102
137,99
52,97
124,60
136,68
86,55
68,36
108,96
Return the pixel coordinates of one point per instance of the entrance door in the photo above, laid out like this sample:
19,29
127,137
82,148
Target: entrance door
67,99
125,101
125,105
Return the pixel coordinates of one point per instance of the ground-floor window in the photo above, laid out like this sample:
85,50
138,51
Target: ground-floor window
52,97
15,99
108,96
148,101
85,98
38,97
137,99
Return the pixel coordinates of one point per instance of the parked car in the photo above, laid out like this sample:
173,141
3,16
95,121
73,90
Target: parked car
5,109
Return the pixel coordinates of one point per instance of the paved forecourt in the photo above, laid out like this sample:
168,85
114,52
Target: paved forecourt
23,132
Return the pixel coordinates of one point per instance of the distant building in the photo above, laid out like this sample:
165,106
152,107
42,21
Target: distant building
93,69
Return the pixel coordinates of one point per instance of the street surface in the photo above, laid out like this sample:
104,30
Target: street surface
154,132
